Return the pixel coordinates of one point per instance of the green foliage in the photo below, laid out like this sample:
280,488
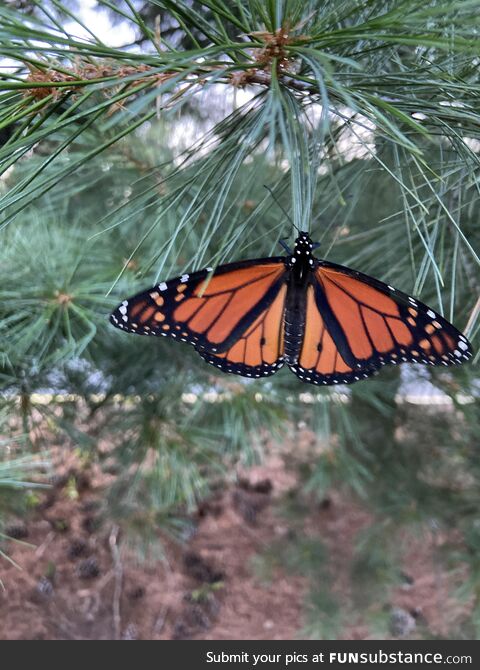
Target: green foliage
123,165
14,483
308,557
21,475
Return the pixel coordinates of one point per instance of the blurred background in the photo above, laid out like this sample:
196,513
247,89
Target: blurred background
143,495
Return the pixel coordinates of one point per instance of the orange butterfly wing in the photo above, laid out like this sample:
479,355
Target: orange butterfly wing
259,350
355,324
320,361
233,316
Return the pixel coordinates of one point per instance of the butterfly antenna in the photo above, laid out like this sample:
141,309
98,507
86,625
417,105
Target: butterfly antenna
281,207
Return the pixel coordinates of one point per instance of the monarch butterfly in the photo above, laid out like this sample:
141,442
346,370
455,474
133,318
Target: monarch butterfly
328,323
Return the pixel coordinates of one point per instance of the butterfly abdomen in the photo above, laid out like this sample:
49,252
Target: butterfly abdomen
294,321
293,340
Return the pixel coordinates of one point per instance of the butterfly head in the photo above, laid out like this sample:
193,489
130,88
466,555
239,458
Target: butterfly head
304,241
302,251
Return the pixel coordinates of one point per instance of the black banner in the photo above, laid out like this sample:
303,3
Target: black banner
272,655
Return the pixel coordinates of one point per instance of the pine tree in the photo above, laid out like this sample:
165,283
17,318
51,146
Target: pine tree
123,165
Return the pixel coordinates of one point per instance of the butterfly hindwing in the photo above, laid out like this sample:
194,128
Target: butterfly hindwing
258,352
371,324
320,360
210,310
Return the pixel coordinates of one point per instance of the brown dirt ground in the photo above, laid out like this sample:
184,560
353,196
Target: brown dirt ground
205,590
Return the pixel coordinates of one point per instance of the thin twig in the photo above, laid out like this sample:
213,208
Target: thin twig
160,621
265,79
40,550
117,591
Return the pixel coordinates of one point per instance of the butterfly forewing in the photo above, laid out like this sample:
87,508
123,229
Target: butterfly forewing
211,310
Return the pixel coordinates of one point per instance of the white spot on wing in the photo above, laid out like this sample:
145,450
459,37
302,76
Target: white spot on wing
162,286
431,314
